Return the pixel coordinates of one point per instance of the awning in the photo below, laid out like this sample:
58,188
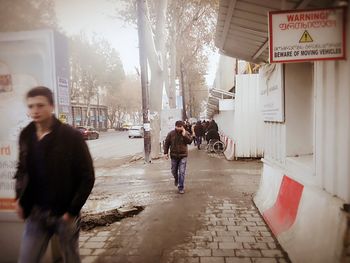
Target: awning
242,27
213,100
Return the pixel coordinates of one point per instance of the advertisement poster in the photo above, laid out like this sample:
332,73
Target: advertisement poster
26,61
13,117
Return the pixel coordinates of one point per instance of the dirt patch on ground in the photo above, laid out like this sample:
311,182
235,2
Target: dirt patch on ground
90,221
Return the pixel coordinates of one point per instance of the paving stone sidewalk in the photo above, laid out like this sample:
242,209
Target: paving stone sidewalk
214,222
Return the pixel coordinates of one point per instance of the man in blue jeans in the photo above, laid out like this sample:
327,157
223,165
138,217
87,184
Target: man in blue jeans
177,141
54,177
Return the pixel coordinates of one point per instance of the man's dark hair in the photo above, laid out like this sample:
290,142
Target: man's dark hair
179,124
41,91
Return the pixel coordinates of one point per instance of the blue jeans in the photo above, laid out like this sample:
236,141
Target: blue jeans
178,169
39,228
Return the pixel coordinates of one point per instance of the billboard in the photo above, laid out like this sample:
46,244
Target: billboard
27,59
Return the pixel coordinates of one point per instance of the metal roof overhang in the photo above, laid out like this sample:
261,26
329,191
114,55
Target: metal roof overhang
222,94
213,100
242,26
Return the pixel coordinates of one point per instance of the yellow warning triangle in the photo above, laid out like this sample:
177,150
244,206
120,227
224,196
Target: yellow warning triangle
305,37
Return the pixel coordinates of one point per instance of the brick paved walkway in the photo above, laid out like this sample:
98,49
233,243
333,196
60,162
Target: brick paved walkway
233,233
214,222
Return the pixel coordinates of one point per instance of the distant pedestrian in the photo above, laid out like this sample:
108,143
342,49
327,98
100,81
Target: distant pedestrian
177,141
54,178
206,126
213,125
198,133
188,127
212,135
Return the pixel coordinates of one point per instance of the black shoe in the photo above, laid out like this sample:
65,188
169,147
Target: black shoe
176,182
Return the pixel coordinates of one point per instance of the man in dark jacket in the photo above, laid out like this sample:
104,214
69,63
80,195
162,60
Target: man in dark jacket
199,133
54,178
177,141
213,125
212,135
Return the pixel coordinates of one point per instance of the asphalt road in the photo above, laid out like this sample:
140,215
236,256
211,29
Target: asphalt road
114,148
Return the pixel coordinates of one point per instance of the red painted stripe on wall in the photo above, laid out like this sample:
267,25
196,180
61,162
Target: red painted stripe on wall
282,215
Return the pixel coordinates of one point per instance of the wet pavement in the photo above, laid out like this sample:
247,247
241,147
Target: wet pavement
215,221
113,148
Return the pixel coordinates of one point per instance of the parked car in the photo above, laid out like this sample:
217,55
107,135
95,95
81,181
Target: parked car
124,127
88,132
136,131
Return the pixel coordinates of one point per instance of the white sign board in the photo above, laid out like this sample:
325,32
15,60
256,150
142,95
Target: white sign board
307,35
226,104
272,92
63,92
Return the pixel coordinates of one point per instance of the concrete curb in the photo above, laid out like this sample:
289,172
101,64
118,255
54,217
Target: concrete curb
307,221
230,147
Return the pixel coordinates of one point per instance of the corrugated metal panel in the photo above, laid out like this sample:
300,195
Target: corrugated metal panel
248,134
275,142
332,124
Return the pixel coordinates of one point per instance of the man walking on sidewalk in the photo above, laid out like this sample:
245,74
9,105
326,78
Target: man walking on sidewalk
199,133
54,178
177,141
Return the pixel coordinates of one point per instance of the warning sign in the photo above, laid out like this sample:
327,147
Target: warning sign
307,35
305,38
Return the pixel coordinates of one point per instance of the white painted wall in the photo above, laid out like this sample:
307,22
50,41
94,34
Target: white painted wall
275,143
290,145
226,122
299,108
248,135
225,74
244,125
332,137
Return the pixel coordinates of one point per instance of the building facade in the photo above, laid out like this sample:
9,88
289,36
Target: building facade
306,170
97,116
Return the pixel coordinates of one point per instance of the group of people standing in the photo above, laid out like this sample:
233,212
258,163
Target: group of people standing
203,130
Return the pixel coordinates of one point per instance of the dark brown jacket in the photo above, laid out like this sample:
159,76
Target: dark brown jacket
177,144
68,164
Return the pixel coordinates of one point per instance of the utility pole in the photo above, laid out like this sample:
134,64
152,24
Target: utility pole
141,12
98,109
184,115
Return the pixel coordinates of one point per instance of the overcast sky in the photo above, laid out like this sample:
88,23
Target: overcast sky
91,16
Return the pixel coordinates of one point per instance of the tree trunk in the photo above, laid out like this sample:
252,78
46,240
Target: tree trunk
172,88
156,89
154,47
